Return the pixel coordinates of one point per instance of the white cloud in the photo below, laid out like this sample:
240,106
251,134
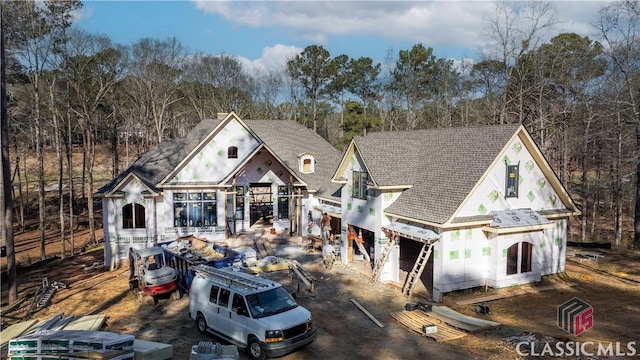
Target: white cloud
84,12
437,23
273,58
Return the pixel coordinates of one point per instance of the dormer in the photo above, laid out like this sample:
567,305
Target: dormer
306,163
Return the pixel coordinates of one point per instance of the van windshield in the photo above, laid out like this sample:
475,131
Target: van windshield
270,302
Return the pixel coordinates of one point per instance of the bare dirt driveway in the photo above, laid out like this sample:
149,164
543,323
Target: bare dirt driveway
611,286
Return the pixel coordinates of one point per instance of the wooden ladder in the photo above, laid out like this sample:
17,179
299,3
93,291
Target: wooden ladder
418,267
377,269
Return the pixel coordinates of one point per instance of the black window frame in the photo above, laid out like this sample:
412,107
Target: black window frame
195,209
283,202
360,181
519,258
512,176
133,216
232,152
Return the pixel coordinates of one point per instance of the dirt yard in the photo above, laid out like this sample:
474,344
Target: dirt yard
610,285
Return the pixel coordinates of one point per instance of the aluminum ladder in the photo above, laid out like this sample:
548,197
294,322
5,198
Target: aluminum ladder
227,276
418,267
377,269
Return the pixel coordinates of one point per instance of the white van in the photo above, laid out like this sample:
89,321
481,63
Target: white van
251,312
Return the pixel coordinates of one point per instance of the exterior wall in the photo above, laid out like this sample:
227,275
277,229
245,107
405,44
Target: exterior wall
117,239
469,258
462,259
368,214
502,243
211,164
534,190
554,248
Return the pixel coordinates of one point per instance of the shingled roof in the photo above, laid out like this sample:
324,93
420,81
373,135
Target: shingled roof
287,139
441,165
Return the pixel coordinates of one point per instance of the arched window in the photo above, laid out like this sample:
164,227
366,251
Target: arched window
133,216
232,152
519,258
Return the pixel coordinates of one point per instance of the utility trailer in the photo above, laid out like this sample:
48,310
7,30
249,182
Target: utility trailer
187,253
150,275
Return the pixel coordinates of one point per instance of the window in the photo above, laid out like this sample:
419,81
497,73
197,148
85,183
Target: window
511,182
232,152
133,216
239,202
306,163
194,209
213,295
519,253
238,305
283,202
224,298
360,179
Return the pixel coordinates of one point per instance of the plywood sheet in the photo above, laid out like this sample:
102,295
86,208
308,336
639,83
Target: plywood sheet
452,314
415,320
87,322
15,330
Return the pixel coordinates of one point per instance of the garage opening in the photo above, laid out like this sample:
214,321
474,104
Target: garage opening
409,252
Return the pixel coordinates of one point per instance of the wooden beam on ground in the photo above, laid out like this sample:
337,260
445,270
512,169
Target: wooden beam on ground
367,313
513,293
262,249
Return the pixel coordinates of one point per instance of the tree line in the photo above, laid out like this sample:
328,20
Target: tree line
578,96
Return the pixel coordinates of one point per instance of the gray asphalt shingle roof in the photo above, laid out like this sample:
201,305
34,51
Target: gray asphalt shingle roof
287,139
442,165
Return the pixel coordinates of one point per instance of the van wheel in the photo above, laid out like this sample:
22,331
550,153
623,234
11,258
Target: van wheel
255,349
201,323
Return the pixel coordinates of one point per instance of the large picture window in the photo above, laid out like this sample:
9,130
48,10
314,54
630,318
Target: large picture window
194,209
511,181
133,216
360,180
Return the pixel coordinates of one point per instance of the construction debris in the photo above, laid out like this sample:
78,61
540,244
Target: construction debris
417,320
206,350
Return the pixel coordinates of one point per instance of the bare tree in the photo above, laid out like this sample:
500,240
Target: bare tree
94,66
153,86
619,26
5,194
512,33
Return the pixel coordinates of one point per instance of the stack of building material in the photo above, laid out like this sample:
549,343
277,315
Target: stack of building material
206,350
71,344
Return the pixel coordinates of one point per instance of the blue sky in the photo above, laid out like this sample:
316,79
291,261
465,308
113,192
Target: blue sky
264,34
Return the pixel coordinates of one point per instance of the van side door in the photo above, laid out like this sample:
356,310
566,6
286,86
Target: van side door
211,308
224,313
